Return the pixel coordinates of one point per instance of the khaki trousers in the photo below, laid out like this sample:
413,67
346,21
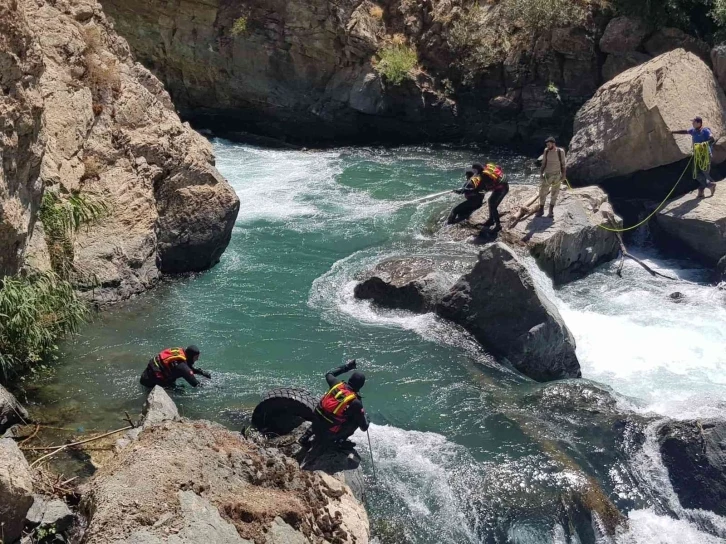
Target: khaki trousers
550,182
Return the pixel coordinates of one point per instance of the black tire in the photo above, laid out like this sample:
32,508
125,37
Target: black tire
283,410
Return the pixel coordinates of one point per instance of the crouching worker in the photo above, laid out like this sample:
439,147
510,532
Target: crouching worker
340,412
170,365
473,191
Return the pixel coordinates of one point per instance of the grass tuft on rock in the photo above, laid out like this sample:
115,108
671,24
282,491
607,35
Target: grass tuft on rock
239,27
35,312
397,62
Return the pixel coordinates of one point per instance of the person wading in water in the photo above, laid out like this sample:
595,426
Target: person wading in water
170,365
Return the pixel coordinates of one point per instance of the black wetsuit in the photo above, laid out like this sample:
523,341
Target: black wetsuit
474,200
181,370
355,416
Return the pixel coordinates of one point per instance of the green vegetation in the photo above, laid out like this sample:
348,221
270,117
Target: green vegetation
536,16
397,62
703,18
35,311
61,220
239,27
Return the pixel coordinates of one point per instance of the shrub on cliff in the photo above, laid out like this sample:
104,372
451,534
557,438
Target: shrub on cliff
396,62
35,311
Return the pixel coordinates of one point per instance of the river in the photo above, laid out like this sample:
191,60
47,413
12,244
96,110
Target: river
463,455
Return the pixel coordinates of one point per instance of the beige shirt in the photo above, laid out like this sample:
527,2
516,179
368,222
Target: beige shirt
553,161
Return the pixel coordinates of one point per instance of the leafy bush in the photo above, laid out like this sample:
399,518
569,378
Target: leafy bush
376,12
536,16
239,27
35,311
61,220
397,62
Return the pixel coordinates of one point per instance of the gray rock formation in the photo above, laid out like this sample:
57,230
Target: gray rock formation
700,224
669,39
16,489
499,304
159,407
11,411
109,136
718,59
416,285
617,63
49,514
643,105
694,452
569,247
623,35
21,65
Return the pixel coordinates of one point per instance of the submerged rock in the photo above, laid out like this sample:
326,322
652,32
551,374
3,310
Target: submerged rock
699,224
694,452
626,127
11,411
416,285
208,484
16,490
499,304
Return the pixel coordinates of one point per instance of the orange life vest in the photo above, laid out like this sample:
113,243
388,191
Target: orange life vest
334,405
492,176
167,360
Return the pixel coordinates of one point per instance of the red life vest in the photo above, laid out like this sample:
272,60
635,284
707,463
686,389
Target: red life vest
334,405
492,176
167,360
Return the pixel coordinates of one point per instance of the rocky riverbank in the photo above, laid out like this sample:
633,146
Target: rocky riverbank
181,481
92,136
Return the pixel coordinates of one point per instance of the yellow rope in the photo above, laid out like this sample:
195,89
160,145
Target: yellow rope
701,158
644,221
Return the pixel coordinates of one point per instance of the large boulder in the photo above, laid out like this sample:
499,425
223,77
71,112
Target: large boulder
626,127
16,490
11,411
718,59
573,244
412,284
159,407
617,63
499,304
110,137
694,452
669,39
623,35
700,224
218,487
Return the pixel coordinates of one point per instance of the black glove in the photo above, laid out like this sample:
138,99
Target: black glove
350,365
459,191
206,374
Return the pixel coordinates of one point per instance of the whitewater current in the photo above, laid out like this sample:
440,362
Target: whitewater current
461,456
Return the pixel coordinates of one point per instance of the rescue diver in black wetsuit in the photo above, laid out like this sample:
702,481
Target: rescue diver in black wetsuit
172,364
472,191
340,411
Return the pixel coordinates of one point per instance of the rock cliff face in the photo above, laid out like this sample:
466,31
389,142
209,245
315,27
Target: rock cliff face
110,138
304,69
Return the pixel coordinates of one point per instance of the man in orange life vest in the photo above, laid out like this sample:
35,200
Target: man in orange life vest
479,180
340,412
170,365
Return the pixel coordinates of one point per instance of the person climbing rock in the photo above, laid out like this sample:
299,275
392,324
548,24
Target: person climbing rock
472,191
170,365
553,173
703,141
340,411
492,179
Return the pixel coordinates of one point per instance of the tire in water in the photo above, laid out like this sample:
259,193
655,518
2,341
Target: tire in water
283,410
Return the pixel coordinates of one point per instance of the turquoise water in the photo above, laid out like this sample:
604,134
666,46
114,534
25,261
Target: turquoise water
464,453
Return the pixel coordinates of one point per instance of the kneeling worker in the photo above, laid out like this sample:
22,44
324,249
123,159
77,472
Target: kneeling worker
340,412
170,365
492,179
473,192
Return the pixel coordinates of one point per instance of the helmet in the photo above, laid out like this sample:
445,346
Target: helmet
356,381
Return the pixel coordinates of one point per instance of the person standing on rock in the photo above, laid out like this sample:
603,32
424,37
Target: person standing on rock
340,411
170,365
701,135
492,179
473,192
553,173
